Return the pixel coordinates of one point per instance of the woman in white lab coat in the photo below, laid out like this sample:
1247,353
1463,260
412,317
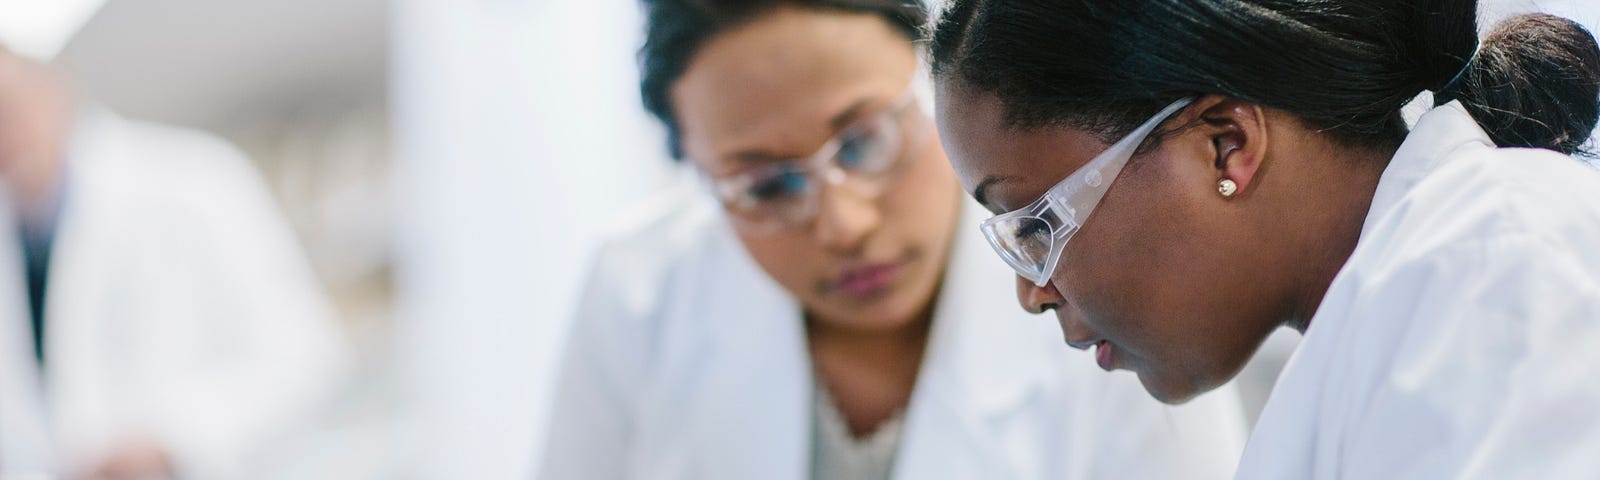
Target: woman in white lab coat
179,329
1175,180
825,317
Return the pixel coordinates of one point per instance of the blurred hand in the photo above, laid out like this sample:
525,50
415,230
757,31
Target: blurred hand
141,460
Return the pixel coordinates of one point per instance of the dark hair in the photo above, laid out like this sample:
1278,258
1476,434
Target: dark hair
676,29
1344,67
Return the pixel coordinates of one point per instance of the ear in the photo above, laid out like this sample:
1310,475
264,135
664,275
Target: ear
1238,133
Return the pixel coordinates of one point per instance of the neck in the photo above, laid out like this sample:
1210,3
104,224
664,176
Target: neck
838,337
869,374
1346,203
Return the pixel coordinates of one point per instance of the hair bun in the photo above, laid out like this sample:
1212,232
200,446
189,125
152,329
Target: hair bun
1535,83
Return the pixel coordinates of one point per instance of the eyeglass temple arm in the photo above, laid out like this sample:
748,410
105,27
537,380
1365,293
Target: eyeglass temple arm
1100,172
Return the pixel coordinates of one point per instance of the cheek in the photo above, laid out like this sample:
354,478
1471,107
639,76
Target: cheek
924,200
1138,265
1148,272
790,258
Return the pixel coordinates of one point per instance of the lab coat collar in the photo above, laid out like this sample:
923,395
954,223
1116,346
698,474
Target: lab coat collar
24,421
753,411
1436,135
979,364
977,334
28,424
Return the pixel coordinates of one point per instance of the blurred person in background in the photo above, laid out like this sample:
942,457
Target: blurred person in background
823,311
157,319
1177,179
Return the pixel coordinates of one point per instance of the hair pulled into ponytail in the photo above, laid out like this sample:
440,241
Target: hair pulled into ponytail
1344,67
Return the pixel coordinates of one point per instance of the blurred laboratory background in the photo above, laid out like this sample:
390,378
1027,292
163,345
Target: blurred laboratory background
447,166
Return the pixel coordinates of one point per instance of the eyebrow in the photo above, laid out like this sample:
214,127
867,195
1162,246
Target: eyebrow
843,118
837,122
981,193
756,156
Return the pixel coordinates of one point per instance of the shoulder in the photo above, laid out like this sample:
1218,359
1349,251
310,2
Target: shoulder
669,287
1518,202
105,140
159,168
1463,353
1457,309
1491,254
649,241
670,270
169,190
1489,230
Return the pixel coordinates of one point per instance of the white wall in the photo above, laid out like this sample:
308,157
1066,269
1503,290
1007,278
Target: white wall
1586,12
227,66
518,133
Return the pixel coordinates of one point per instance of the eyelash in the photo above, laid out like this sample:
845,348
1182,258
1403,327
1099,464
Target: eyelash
1033,229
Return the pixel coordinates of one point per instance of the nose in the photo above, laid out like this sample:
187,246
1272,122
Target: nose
1036,299
844,219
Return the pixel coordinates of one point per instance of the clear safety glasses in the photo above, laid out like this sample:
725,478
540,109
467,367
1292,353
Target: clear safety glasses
784,194
1032,239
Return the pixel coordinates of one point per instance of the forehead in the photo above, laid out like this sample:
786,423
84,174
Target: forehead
1021,164
777,82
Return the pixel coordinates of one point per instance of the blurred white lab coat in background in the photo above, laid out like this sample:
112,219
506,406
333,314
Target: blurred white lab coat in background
688,362
179,311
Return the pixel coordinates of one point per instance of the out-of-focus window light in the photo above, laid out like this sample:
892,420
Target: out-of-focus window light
39,29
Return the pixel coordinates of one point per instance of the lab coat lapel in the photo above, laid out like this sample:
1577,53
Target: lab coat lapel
24,431
753,413
979,370
81,385
751,408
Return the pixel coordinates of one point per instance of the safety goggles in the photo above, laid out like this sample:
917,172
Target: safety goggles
1031,239
784,194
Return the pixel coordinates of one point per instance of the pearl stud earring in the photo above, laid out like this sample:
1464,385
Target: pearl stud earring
1227,188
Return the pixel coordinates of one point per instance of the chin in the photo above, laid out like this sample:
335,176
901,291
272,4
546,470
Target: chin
887,314
892,315
1171,391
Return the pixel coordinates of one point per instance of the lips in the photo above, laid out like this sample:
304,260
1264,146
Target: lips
868,280
1079,336
1103,352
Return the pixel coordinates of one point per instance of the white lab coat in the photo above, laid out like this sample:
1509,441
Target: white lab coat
1462,338
179,310
687,362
